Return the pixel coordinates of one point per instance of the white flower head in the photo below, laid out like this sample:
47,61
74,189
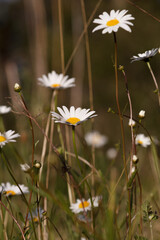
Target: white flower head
111,153
131,123
25,167
36,216
142,140
142,114
135,159
73,116
56,81
85,205
96,139
11,190
113,21
145,56
7,137
4,109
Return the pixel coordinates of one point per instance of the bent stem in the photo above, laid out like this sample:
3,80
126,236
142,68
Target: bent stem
122,130
154,79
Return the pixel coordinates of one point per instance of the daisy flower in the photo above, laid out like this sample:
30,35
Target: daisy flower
4,109
56,81
142,140
35,215
145,56
96,139
85,205
11,190
7,137
111,22
73,116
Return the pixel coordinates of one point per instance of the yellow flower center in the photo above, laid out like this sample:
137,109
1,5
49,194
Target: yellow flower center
2,139
112,22
55,85
10,192
35,219
83,204
73,120
140,142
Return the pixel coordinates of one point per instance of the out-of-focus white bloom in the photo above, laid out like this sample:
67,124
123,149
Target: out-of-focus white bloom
35,215
145,56
142,140
142,114
111,153
56,81
10,190
25,167
7,137
111,23
96,139
73,116
133,169
85,205
4,109
131,123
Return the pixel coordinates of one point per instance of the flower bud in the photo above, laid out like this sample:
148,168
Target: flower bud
141,114
17,87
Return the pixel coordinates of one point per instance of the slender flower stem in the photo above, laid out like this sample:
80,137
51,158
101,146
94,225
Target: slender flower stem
75,148
154,79
122,130
151,229
14,219
90,83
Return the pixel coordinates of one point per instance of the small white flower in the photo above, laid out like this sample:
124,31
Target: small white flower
56,81
111,153
111,23
7,137
10,190
96,139
131,123
141,114
145,56
35,215
4,109
142,140
85,205
25,167
73,116
133,169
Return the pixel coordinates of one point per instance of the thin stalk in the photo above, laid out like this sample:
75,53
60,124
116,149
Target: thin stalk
151,229
48,161
14,219
154,79
4,228
90,82
75,148
122,130
70,189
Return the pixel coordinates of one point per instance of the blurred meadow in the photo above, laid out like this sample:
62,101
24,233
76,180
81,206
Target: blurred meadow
116,173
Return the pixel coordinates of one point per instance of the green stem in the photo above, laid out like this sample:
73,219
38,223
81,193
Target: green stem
154,79
122,130
75,148
151,230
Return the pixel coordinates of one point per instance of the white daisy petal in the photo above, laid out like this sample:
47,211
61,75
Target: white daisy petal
111,22
11,190
145,56
56,81
7,137
72,116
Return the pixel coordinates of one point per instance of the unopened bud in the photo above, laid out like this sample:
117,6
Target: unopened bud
135,159
141,114
37,165
17,87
